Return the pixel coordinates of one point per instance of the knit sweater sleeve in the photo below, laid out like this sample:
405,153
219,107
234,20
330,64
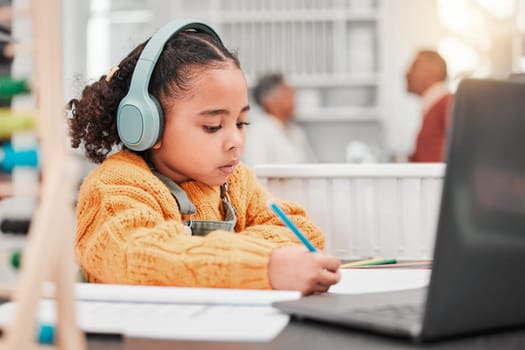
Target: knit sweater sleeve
255,219
129,233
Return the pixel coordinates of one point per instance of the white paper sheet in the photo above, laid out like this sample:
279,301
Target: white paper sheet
205,314
358,281
169,321
171,312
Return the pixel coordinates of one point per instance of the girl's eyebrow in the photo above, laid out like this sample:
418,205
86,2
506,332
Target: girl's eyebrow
216,112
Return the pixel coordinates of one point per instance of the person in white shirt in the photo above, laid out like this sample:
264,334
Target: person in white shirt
274,137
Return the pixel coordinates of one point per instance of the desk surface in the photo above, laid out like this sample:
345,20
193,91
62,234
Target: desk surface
312,335
303,334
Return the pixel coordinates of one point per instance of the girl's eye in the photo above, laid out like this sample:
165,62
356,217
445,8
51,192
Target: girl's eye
212,128
240,125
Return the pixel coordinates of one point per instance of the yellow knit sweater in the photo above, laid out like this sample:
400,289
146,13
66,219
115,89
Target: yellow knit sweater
130,230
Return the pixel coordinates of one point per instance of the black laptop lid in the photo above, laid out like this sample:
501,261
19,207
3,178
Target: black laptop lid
477,281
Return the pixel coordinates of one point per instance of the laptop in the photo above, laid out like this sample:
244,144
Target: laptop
476,283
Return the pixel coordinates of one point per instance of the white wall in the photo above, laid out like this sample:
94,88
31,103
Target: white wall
74,21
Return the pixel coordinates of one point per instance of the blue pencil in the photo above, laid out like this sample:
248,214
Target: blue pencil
291,225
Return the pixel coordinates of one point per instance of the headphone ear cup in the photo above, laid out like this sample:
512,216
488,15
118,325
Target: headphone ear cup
153,129
139,122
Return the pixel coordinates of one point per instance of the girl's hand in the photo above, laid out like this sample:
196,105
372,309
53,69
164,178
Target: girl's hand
296,268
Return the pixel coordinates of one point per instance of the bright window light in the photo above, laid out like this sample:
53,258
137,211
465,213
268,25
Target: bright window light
454,14
499,8
462,59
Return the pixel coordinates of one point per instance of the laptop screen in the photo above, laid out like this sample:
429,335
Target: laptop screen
490,160
476,280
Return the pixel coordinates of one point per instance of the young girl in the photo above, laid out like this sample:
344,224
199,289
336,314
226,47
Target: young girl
185,211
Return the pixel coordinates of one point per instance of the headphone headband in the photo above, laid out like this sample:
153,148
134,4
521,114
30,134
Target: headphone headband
151,52
139,115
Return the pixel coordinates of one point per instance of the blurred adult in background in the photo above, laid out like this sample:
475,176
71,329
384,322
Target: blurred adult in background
275,137
426,78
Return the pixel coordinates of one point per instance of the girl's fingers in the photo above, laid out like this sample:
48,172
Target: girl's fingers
324,282
329,262
328,278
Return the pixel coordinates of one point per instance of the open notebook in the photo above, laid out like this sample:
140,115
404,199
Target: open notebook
476,282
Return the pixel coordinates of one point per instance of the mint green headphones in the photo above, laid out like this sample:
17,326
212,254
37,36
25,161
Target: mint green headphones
139,116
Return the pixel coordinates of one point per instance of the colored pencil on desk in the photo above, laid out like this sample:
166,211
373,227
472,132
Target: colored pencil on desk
369,262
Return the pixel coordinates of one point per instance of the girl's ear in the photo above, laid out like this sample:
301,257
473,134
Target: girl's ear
157,145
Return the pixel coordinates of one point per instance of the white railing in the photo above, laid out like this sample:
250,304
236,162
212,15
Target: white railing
365,210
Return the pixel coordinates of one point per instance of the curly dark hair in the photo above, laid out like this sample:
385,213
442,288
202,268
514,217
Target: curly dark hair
92,121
